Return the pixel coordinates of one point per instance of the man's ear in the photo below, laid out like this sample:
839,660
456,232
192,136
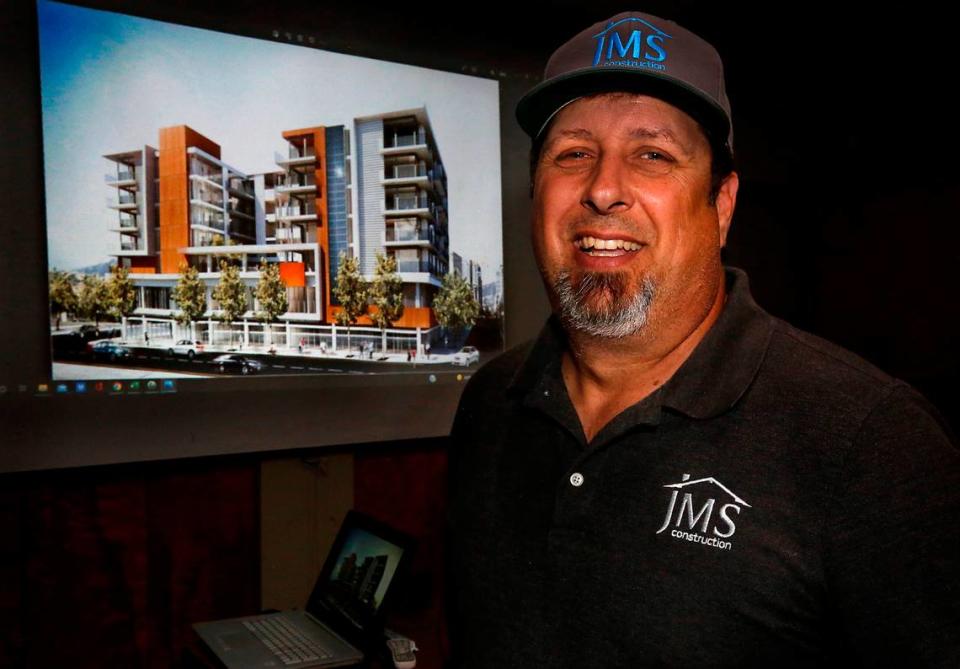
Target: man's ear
726,202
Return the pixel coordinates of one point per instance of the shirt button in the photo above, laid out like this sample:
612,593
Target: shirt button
576,479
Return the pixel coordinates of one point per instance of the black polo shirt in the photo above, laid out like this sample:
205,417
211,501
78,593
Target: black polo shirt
778,502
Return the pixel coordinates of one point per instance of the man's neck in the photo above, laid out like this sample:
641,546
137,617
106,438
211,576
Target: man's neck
604,376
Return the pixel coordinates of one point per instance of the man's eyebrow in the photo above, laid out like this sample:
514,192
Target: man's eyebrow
660,133
572,133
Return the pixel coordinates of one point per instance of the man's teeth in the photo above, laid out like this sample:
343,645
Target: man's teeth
587,243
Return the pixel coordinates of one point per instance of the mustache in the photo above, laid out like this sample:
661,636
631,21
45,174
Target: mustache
615,224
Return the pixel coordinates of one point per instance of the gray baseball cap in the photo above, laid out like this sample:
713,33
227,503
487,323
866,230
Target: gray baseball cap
633,52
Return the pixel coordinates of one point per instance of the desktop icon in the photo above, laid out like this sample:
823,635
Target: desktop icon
133,386
43,388
151,385
3,390
98,386
63,388
22,388
117,387
80,386
169,385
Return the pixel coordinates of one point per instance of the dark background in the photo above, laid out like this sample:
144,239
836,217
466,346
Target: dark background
847,225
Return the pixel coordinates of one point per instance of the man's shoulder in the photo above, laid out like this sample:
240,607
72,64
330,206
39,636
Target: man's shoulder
826,379
497,374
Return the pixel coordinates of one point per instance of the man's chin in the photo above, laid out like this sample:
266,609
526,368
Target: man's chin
602,304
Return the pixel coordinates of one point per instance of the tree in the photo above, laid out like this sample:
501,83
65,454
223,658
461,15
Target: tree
230,293
63,299
386,293
94,298
122,294
455,305
271,294
190,295
350,291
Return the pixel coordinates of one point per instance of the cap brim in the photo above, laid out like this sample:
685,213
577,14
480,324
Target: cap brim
537,108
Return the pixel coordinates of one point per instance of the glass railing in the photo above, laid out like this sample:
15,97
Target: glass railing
408,139
123,175
289,212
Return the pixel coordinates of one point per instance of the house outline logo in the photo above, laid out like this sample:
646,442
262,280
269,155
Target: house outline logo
697,523
639,50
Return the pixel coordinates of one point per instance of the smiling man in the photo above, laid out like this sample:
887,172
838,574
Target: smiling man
669,476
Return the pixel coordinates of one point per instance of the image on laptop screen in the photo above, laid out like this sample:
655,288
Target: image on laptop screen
362,573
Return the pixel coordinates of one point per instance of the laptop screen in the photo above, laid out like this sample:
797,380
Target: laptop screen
361,568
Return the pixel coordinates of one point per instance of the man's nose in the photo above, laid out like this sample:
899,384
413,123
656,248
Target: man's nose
607,191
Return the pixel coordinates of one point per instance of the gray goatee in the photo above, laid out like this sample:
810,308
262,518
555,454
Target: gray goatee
600,305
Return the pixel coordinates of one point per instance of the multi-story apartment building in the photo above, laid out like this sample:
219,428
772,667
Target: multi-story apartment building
180,205
402,206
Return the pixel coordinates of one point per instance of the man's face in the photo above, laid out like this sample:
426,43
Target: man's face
623,230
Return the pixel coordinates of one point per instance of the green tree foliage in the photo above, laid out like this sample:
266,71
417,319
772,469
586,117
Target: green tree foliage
455,305
271,293
94,298
230,293
122,293
63,298
190,295
386,292
350,291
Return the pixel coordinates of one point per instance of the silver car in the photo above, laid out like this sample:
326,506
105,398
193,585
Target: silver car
466,356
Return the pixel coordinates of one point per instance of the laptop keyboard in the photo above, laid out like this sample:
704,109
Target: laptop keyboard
285,641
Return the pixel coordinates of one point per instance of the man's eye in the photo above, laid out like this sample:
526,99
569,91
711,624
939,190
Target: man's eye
572,155
655,155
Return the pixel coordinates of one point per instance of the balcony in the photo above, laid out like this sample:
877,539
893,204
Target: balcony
304,185
412,143
295,159
122,178
406,175
288,236
409,235
297,213
125,201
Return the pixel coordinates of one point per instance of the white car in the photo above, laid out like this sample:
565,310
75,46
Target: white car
186,347
466,356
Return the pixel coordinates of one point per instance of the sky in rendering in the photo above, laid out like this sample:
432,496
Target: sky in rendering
110,82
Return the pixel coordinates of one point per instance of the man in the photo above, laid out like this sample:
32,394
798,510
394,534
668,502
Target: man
668,475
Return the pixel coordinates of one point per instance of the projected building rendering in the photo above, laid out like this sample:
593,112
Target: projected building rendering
180,206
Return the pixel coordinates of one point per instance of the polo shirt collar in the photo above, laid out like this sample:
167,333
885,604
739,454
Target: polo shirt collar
709,383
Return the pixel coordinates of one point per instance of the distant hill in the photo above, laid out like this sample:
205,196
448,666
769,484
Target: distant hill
102,269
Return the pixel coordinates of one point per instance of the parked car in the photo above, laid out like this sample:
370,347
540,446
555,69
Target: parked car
233,362
466,356
186,347
108,350
88,332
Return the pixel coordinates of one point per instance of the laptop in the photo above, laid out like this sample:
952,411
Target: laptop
344,615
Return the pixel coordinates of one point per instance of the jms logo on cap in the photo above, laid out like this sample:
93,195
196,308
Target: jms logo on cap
643,46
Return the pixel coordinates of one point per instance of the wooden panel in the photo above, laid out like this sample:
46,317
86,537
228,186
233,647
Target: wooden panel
109,566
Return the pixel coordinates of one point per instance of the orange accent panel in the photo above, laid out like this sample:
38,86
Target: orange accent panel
174,193
413,317
293,274
323,227
143,265
290,134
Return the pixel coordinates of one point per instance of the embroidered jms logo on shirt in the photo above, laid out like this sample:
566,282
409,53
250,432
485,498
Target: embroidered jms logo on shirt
700,518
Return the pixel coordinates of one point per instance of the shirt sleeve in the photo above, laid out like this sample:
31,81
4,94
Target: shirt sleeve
892,538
